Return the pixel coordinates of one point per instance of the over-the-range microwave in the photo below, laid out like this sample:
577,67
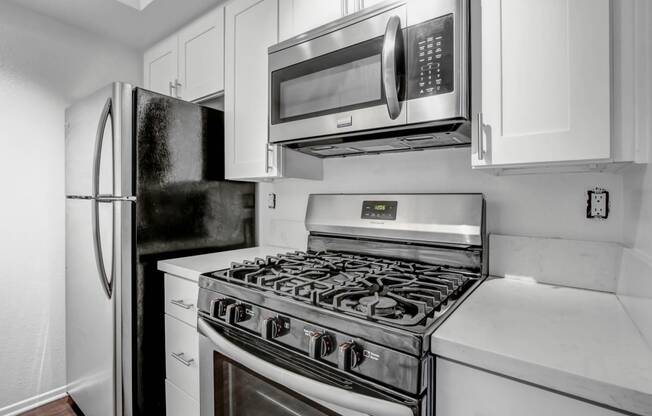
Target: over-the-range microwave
394,77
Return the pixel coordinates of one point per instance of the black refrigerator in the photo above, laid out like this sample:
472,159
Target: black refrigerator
144,182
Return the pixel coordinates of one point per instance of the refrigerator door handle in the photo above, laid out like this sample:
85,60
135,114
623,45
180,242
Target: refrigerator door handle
114,198
107,284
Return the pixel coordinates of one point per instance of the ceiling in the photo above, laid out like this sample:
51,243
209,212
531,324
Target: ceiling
119,21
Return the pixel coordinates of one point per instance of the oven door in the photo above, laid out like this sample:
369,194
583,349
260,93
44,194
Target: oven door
350,79
252,380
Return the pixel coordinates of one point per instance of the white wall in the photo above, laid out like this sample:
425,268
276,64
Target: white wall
44,65
533,205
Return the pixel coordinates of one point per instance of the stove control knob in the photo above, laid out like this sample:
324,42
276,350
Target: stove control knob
218,307
350,356
236,313
320,345
272,328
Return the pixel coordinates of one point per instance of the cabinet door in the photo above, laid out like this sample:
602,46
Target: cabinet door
178,402
369,3
298,16
251,27
497,396
201,56
160,67
545,82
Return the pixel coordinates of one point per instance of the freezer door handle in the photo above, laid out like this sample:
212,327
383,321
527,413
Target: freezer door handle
107,284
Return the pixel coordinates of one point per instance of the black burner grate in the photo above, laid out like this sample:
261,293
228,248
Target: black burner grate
385,290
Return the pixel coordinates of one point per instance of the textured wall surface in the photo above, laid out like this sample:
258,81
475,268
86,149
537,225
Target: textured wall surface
44,65
547,205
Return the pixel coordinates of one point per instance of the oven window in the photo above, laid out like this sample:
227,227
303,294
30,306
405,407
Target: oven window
240,392
343,80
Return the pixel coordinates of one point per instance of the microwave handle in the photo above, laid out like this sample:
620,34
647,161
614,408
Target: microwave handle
391,45
303,385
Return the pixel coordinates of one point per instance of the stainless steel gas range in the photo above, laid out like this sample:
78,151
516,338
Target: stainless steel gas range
343,328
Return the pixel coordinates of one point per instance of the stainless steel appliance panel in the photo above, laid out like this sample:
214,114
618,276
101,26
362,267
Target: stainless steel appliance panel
454,104
337,122
308,395
457,220
94,129
422,73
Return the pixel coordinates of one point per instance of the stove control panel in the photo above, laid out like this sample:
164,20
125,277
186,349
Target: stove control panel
379,210
338,350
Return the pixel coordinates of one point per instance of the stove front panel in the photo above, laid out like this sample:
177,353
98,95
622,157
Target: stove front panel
350,354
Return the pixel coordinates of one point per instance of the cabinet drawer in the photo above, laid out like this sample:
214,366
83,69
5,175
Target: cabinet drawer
182,355
178,403
181,299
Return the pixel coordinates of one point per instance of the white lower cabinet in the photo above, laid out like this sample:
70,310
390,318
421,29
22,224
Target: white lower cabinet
181,347
178,403
465,391
181,299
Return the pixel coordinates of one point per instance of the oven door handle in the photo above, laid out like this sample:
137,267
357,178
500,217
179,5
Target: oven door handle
302,385
391,46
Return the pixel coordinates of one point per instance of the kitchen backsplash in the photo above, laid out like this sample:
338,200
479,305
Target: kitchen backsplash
543,205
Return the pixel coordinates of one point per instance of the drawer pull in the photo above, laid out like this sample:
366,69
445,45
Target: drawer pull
180,357
180,303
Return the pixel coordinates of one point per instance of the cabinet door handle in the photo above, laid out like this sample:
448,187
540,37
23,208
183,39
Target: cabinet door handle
268,150
480,138
180,303
179,356
177,84
172,86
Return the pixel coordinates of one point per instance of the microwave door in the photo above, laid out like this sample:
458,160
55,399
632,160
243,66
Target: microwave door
347,80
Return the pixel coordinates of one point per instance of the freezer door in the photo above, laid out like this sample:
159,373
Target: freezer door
82,122
98,247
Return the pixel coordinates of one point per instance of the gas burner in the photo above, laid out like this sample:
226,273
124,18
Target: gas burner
377,305
396,292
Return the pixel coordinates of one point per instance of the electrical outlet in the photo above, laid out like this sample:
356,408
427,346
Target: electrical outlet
597,203
271,201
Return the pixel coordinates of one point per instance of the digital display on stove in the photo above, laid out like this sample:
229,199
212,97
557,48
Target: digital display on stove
379,210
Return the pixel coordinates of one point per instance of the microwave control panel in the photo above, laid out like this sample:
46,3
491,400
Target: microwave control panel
430,58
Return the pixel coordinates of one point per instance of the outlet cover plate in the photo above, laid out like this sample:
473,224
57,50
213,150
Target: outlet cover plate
597,203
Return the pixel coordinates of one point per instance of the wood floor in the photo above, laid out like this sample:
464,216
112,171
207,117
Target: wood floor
61,407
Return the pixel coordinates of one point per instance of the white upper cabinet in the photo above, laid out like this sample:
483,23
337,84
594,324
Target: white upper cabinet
160,66
298,16
361,4
252,27
546,82
189,64
201,56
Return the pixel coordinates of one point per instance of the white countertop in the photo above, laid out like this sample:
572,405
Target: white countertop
574,341
192,267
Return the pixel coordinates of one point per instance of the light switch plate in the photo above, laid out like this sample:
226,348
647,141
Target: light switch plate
271,201
597,203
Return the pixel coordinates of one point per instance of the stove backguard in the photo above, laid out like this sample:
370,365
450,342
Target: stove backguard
441,229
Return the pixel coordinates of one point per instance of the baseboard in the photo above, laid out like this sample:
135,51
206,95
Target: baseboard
33,402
